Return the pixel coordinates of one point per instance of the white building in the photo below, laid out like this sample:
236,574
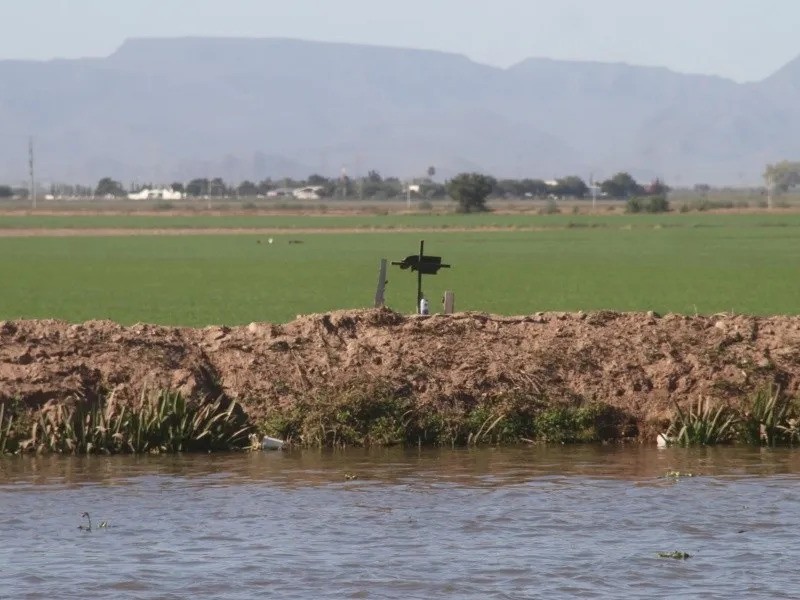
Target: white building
310,192
155,194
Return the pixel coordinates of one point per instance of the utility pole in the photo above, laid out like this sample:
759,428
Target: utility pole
30,165
769,192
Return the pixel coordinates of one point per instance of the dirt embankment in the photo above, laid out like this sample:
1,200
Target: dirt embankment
637,362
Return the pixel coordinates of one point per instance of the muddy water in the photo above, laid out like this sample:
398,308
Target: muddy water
512,523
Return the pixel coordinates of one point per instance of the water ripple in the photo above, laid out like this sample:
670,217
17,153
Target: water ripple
512,523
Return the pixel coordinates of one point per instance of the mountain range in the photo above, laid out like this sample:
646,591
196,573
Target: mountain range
172,109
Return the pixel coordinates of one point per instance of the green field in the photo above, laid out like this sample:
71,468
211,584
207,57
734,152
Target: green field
394,221
680,263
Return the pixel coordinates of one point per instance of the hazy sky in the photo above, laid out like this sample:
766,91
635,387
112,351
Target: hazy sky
742,39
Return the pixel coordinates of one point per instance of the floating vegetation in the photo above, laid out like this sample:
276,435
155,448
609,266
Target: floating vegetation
675,555
158,422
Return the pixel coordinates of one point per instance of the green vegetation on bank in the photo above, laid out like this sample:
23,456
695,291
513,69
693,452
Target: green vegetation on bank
768,418
158,422
365,414
370,413
668,263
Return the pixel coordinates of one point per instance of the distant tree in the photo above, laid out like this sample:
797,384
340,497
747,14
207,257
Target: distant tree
431,190
783,176
197,187
470,191
572,186
431,172
533,187
247,188
657,188
6,191
217,187
621,185
702,188
507,188
317,180
109,187
374,177
265,185
177,186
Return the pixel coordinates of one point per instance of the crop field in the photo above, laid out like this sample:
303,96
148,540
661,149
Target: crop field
255,221
698,263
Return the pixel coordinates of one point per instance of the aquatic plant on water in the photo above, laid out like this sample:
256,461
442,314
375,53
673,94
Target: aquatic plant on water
677,475
702,425
162,421
675,555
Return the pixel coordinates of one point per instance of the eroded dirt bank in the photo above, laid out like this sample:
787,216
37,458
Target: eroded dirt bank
637,362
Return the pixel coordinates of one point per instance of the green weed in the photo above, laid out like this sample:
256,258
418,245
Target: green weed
158,422
770,419
702,425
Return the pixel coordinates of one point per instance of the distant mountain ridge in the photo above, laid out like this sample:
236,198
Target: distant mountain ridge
174,109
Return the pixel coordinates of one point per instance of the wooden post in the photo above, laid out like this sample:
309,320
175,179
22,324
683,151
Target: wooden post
449,302
380,300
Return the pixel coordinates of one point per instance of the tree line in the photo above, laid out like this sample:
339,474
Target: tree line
375,186
469,190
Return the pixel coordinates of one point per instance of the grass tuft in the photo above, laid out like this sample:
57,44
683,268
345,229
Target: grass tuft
158,422
702,425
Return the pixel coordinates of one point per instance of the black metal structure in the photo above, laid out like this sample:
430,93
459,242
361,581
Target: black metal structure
423,265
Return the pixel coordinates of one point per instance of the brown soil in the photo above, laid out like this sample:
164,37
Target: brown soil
637,362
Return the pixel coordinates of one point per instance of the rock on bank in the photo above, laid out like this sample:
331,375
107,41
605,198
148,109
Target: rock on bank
637,362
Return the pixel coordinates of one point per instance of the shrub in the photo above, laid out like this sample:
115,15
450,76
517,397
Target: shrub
550,208
634,205
702,425
568,424
769,419
158,422
648,204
